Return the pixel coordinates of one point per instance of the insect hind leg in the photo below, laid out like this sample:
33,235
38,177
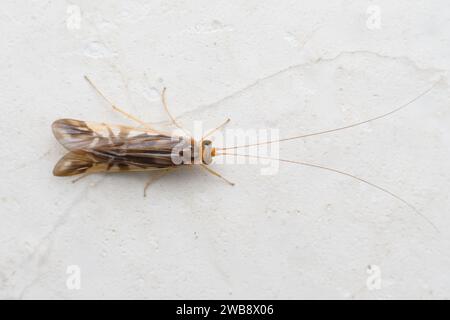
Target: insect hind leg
84,175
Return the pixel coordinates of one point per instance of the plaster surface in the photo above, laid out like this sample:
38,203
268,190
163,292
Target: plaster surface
295,66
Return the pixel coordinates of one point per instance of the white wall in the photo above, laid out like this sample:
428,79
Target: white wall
296,66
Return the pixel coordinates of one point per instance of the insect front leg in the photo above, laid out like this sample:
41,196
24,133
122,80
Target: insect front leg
214,173
172,119
216,129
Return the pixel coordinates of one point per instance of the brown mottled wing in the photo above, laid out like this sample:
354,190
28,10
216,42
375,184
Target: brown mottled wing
77,135
73,163
96,147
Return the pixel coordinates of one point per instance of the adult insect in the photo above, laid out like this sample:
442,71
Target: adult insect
99,147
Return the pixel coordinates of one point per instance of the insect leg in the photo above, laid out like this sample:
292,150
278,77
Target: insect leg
116,108
154,179
175,123
216,174
81,177
218,128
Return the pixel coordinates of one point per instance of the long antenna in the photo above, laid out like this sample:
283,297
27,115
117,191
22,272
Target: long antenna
336,129
342,173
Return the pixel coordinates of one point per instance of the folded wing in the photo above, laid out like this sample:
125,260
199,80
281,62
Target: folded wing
96,147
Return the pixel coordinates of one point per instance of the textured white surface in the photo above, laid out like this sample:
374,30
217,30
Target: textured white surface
300,66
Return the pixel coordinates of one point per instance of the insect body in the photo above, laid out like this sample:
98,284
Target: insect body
99,147
95,147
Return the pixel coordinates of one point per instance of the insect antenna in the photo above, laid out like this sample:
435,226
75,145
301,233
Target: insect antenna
341,173
335,129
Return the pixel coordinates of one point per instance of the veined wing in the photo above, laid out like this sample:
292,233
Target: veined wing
80,162
84,135
96,147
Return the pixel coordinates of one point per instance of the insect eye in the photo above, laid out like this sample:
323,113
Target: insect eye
207,143
206,156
